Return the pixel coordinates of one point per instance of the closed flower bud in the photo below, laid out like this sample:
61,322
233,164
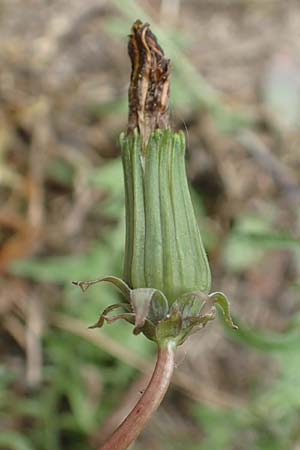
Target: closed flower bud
166,277
164,249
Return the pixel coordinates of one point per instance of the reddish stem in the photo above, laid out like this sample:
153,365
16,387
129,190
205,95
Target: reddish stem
134,423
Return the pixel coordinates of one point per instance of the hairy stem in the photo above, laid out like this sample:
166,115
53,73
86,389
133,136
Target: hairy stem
134,423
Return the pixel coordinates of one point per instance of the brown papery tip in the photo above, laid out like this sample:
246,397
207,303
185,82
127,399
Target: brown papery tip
149,84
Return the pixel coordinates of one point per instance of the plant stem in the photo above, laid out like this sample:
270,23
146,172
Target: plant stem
134,423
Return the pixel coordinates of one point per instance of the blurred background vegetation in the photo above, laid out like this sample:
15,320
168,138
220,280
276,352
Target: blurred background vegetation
63,96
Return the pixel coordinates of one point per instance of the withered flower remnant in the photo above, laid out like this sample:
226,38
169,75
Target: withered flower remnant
149,83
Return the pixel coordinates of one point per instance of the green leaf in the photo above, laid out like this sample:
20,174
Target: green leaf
267,340
269,240
62,269
14,441
238,253
109,176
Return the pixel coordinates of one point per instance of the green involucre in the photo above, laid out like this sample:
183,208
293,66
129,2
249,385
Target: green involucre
164,248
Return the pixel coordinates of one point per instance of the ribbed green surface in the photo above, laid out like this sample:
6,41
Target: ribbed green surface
153,235
164,249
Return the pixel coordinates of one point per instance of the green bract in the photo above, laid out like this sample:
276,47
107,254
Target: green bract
163,249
